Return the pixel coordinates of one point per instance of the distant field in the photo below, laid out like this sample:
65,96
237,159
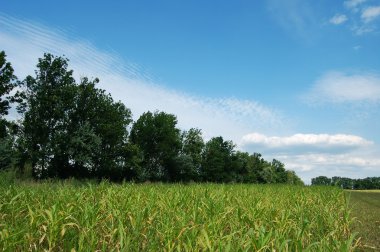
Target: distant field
366,208
68,216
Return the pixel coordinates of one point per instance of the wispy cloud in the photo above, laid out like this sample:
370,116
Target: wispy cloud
340,87
296,16
25,41
370,13
338,19
305,143
363,29
353,4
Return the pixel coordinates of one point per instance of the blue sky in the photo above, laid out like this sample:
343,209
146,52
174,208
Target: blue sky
296,80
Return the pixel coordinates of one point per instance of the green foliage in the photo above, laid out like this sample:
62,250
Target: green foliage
217,160
192,148
6,152
241,167
321,180
159,140
102,127
7,177
280,172
48,99
70,129
67,216
293,179
369,183
185,169
7,83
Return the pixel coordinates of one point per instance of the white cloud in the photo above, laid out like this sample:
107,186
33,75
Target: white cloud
304,143
338,87
363,29
338,19
307,139
370,13
312,155
353,4
360,16
344,165
24,42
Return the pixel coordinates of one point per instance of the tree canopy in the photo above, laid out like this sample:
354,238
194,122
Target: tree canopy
159,140
72,128
368,183
7,84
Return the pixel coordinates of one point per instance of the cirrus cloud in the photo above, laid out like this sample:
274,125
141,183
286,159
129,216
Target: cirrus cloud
353,4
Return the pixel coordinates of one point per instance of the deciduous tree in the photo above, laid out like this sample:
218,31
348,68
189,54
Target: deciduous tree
7,83
159,140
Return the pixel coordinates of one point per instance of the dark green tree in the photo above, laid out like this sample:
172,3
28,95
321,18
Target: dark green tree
7,83
190,159
345,183
280,172
217,161
293,179
256,168
368,183
99,129
70,129
48,98
321,180
241,167
159,139
267,173
185,170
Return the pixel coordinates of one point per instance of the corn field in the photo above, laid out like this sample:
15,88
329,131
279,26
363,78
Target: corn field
73,216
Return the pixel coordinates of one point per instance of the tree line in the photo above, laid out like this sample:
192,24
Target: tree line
348,183
74,129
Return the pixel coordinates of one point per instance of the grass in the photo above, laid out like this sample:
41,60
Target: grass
366,209
70,216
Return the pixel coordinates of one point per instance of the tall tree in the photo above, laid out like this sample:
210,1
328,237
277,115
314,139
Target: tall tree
7,83
70,129
100,127
280,172
159,140
49,96
257,164
190,159
217,160
241,167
